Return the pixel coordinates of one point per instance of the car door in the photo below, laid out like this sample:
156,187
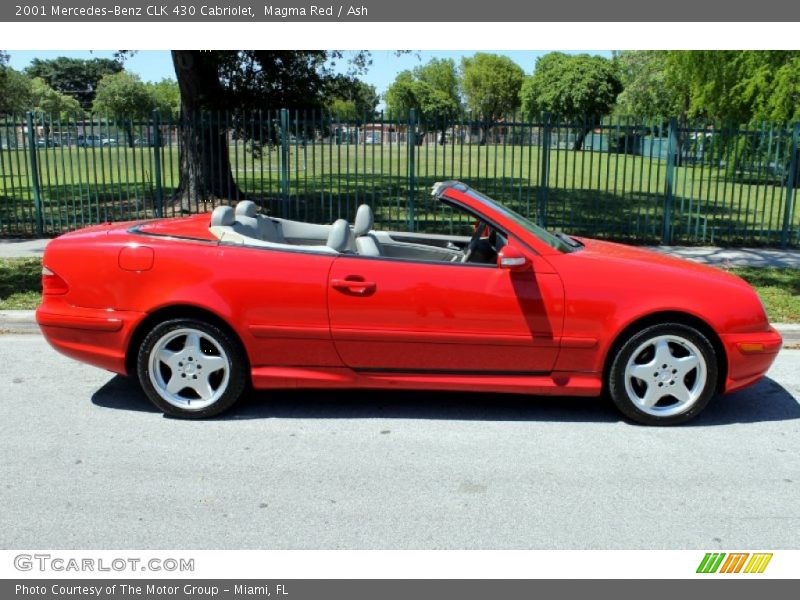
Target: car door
392,314
278,300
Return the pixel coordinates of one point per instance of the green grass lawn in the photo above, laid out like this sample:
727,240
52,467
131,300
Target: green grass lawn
779,288
588,192
20,283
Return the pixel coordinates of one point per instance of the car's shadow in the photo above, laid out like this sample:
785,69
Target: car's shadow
765,401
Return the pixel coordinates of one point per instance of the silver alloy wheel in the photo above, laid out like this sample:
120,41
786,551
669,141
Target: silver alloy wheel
665,375
189,369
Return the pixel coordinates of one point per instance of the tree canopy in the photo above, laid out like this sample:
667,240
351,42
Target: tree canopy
166,97
15,91
255,79
491,84
735,86
571,87
46,100
73,76
20,93
348,97
740,85
123,96
431,89
649,87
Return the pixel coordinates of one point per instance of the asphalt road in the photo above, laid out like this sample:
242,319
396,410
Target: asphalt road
85,462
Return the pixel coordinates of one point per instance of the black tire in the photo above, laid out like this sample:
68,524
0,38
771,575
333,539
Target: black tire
232,356
621,396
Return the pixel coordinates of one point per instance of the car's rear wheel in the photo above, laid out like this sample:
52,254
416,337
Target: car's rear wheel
190,368
664,374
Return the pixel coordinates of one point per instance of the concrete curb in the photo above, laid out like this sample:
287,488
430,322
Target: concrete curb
24,321
18,321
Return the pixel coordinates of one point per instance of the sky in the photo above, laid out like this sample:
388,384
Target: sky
154,65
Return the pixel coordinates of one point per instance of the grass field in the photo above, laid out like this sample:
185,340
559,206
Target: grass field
20,283
779,288
588,192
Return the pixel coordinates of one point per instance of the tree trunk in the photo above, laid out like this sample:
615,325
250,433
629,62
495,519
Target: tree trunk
580,138
205,167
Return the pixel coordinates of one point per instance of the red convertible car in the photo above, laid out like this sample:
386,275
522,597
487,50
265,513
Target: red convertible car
200,308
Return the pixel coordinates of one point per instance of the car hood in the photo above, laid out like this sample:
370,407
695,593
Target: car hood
654,260
634,282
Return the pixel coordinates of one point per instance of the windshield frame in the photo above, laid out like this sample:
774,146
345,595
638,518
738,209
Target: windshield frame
537,231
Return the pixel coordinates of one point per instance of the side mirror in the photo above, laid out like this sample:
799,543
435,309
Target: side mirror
512,259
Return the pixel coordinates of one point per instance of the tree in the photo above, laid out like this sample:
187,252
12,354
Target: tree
201,88
579,88
20,93
491,84
15,91
212,81
73,76
649,87
124,97
431,90
738,85
783,103
441,75
166,97
48,101
350,97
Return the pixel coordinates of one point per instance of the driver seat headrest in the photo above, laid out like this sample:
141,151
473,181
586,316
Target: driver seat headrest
246,208
364,220
339,236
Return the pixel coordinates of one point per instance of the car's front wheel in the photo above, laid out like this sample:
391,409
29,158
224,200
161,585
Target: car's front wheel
664,374
190,368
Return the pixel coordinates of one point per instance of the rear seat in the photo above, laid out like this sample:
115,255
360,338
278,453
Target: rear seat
244,226
249,223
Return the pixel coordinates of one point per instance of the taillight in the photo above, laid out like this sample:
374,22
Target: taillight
52,284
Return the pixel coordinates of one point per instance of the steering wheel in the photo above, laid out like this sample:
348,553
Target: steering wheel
473,242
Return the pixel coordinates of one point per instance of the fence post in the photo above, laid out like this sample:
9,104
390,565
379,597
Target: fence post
284,162
34,173
788,207
411,140
544,172
672,149
157,163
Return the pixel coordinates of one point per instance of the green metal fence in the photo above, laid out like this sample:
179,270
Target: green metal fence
646,181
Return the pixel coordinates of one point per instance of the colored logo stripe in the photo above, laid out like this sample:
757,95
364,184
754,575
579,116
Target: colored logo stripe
710,562
735,561
758,563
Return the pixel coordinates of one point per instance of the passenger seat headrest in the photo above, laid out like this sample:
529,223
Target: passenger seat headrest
246,208
364,220
222,215
339,236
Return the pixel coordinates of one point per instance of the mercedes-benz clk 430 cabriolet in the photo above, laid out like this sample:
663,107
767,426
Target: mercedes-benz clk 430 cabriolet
200,308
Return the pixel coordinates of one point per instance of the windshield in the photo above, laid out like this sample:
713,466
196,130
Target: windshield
548,238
